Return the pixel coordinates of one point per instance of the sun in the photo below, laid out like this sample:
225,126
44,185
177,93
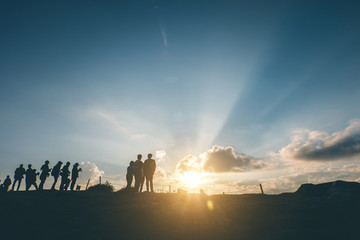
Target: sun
191,179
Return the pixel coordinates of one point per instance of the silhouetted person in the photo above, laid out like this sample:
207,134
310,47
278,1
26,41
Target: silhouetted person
45,172
55,173
149,170
130,174
30,178
5,186
65,177
18,176
74,175
139,173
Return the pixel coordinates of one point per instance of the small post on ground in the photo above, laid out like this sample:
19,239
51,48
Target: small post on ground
100,180
262,191
87,184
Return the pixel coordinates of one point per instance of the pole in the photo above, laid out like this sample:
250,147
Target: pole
100,180
262,191
87,184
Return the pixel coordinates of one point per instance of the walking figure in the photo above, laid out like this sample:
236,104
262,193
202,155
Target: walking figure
30,178
74,175
130,174
5,186
18,176
139,173
45,172
149,170
65,177
55,173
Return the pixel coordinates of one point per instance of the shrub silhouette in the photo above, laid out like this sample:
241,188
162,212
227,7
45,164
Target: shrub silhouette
106,187
126,190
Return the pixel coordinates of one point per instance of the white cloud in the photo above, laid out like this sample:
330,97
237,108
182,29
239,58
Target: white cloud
160,156
189,163
322,146
219,159
89,172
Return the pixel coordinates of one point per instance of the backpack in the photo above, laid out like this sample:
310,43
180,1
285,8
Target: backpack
55,171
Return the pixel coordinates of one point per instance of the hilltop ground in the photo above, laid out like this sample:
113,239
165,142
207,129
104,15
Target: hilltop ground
307,214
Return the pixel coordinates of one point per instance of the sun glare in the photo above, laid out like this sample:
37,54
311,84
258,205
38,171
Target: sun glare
191,179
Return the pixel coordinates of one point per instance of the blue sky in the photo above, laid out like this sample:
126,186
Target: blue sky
102,81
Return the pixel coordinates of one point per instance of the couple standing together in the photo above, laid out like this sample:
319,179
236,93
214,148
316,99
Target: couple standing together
141,171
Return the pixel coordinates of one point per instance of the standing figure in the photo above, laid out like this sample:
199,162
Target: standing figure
65,177
55,173
5,186
139,173
74,175
149,170
18,176
130,174
45,172
30,178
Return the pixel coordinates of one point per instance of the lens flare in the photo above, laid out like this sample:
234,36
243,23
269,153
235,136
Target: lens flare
210,205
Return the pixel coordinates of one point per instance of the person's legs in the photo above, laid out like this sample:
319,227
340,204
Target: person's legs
35,185
142,180
62,184
28,185
41,185
13,186
151,182
55,181
129,182
73,181
19,183
147,182
72,184
137,183
67,183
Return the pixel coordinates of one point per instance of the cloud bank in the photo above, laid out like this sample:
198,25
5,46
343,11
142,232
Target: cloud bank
89,172
321,146
219,159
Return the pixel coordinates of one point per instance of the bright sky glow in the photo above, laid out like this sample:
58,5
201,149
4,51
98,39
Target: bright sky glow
193,179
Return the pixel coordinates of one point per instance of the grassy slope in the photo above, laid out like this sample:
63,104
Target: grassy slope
85,215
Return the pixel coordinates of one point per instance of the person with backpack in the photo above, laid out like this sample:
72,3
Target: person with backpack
139,173
74,175
30,178
65,177
5,186
149,170
130,174
55,173
45,172
18,176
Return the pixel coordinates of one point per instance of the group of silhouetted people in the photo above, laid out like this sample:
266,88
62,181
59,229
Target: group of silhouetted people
141,171
31,175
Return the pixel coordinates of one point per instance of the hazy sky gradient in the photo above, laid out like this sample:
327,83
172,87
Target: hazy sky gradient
102,81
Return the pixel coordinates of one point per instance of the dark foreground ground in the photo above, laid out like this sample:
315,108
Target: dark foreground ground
307,214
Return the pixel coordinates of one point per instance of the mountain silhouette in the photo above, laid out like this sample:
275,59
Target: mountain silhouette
331,189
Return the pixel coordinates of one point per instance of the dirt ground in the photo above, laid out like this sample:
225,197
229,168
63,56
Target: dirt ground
91,215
